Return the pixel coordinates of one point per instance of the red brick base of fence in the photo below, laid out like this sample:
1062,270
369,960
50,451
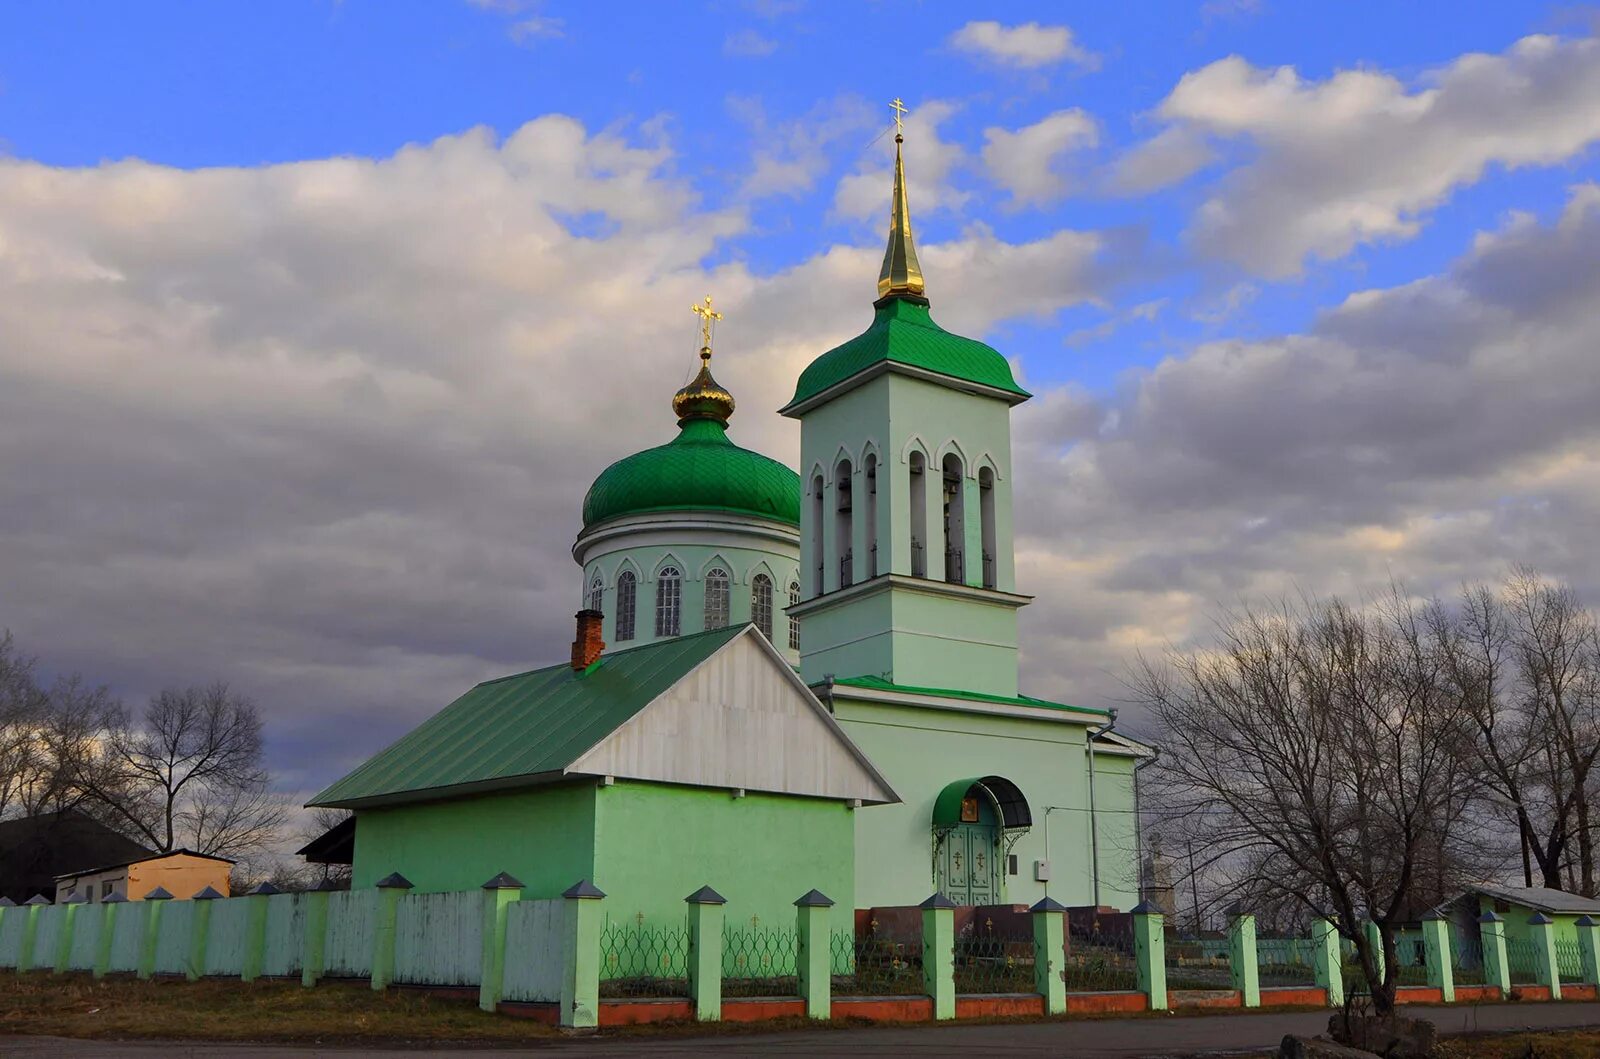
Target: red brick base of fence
884,1009
1288,996
1117,1003
1205,998
978,1007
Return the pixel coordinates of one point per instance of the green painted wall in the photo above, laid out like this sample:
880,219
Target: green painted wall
657,844
1516,919
921,750
544,836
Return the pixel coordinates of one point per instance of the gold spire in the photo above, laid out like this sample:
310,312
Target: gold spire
704,397
901,273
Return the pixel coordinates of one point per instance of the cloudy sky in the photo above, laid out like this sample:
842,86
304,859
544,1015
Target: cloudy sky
317,318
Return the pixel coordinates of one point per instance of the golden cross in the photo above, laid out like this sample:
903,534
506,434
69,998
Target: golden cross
899,109
707,315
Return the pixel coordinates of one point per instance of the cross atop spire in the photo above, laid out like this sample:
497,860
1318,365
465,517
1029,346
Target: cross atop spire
901,273
708,316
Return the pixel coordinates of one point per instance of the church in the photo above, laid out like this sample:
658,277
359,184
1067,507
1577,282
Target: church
784,681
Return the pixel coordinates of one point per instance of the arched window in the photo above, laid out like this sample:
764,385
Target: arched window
794,622
817,560
986,514
919,515
627,595
669,601
955,521
761,604
597,593
716,598
842,526
870,511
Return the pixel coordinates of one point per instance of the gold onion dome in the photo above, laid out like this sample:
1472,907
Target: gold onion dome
704,397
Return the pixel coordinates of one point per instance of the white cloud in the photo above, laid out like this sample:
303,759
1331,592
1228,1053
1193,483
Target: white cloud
1028,46
930,164
1027,162
792,155
747,43
1362,157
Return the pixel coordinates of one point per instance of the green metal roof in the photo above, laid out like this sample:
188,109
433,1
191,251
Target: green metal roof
699,470
903,332
521,727
879,684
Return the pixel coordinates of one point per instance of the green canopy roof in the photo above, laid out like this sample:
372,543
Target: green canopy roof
903,332
516,730
699,470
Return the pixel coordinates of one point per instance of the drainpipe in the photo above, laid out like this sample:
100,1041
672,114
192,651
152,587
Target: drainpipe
1094,828
1138,819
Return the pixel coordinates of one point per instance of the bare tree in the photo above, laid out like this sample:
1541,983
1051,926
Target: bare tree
1317,748
188,773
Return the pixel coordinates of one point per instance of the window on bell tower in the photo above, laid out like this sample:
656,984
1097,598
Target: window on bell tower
869,512
919,515
843,522
669,601
986,514
955,521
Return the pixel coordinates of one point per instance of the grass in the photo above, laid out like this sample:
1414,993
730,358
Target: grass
1565,1044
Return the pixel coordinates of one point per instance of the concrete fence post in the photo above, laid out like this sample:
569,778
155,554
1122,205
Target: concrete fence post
1542,932
705,953
1150,953
1436,951
69,925
200,932
499,894
580,984
255,931
1496,970
1049,954
939,954
1589,949
1327,961
153,903
1243,964
814,953
314,940
110,910
1375,943
30,931
390,889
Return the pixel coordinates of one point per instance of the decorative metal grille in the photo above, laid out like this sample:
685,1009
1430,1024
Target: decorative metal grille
1196,964
990,961
759,961
1285,961
846,562
1466,960
716,598
641,961
954,566
1523,959
1569,961
1098,963
873,966
1411,961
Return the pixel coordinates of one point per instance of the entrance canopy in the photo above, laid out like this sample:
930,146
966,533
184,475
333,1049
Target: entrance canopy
1007,798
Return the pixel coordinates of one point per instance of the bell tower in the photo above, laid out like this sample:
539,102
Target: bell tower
906,560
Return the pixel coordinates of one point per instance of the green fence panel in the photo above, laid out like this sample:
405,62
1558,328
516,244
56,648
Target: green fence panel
1523,959
1569,961
438,938
86,937
347,948
535,942
127,940
48,933
285,941
225,941
11,936
173,943
1286,962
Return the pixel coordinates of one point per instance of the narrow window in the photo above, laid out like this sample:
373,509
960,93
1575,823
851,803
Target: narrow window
986,513
761,604
627,588
919,515
669,599
716,598
794,622
817,552
870,513
842,522
597,593
955,522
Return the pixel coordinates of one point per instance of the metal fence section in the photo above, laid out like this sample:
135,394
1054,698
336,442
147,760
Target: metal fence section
230,919
347,944
11,926
45,935
1100,963
438,938
991,961
86,937
1411,961
1285,961
644,961
1569,961
535,931
759,961
1196,964
1466,960
175,937
285,938
875,966
1523,959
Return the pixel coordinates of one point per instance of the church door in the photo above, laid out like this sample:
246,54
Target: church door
969,862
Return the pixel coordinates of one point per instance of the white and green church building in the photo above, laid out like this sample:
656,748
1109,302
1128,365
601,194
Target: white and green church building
784,681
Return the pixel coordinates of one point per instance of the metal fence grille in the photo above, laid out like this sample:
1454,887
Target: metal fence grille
760,961
1411,961
641,961
1195,964
1569,961
875,966
990,961
1466,960
1523,959
1100,963
1285,961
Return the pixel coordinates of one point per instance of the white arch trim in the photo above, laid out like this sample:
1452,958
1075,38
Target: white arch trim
915,444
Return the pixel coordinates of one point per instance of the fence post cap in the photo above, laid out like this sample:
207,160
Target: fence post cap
706,896
265,889
583,890
158,894
937,900
208,894
1145,908
1048,904
814,899
394,881
1539,919
503,881
76,899
1586,921
113,899
325,886
1489,917
6,902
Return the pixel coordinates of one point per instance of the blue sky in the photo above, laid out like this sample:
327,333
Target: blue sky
317,318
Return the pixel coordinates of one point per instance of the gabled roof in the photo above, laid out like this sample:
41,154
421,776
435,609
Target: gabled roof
549,723
1540,898
34,849
143,859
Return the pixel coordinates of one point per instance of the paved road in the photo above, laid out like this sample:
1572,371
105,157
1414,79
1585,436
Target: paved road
1099,1039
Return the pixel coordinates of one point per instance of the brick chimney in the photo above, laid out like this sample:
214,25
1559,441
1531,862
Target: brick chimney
587,647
